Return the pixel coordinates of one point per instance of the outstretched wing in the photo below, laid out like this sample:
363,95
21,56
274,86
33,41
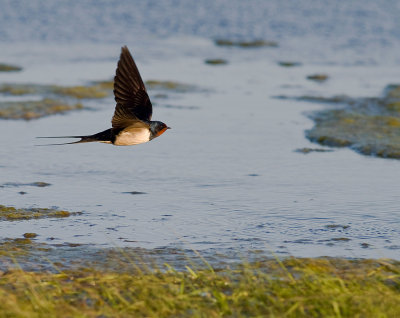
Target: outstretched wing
133,103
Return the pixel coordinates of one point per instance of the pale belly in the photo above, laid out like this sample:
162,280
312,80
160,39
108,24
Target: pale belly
132,136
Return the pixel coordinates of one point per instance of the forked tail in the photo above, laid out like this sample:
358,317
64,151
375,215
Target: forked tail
104,136
83,139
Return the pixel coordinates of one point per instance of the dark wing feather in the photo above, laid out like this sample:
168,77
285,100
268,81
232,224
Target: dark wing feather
133,103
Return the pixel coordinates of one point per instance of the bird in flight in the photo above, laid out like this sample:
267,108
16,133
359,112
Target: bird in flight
131,123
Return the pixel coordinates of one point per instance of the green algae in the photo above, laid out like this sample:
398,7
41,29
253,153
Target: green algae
9,68
24,89
30,235
19,89
216,61
289,64
82,92
35,109
8,213
93,91
54,99
318,77
169,85
246,44
370,126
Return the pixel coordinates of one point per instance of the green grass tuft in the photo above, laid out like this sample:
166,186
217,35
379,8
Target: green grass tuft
291,288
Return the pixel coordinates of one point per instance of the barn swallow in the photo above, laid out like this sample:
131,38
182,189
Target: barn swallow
131,123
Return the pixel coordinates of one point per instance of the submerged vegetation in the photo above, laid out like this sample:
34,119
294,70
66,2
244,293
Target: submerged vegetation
39,184
95,90
35,109
291,288
8,213
289,64
216,61
246,44
54,99
9,68
169,85
81,92
318,77
308,150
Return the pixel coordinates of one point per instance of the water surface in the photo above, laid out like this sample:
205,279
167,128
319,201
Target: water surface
227,176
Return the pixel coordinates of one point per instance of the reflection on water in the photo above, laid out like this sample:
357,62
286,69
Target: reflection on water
227,176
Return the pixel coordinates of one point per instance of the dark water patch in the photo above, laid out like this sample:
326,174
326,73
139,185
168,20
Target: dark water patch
135,192
300,241
309,150
336,226
68,245
340,239
365,245
9,68
393,247
246,44
8,213
39,184
337,99
160,96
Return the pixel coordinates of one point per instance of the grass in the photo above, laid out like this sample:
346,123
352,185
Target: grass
272,288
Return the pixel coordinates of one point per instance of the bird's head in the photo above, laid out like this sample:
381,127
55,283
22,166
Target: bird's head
157,128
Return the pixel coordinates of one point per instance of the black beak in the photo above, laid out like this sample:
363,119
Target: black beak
168,127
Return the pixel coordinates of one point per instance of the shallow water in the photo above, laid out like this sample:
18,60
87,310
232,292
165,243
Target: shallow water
226,176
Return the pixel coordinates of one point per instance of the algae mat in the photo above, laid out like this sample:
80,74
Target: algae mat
370,126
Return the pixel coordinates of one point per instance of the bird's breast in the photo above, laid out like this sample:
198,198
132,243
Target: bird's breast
132,136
